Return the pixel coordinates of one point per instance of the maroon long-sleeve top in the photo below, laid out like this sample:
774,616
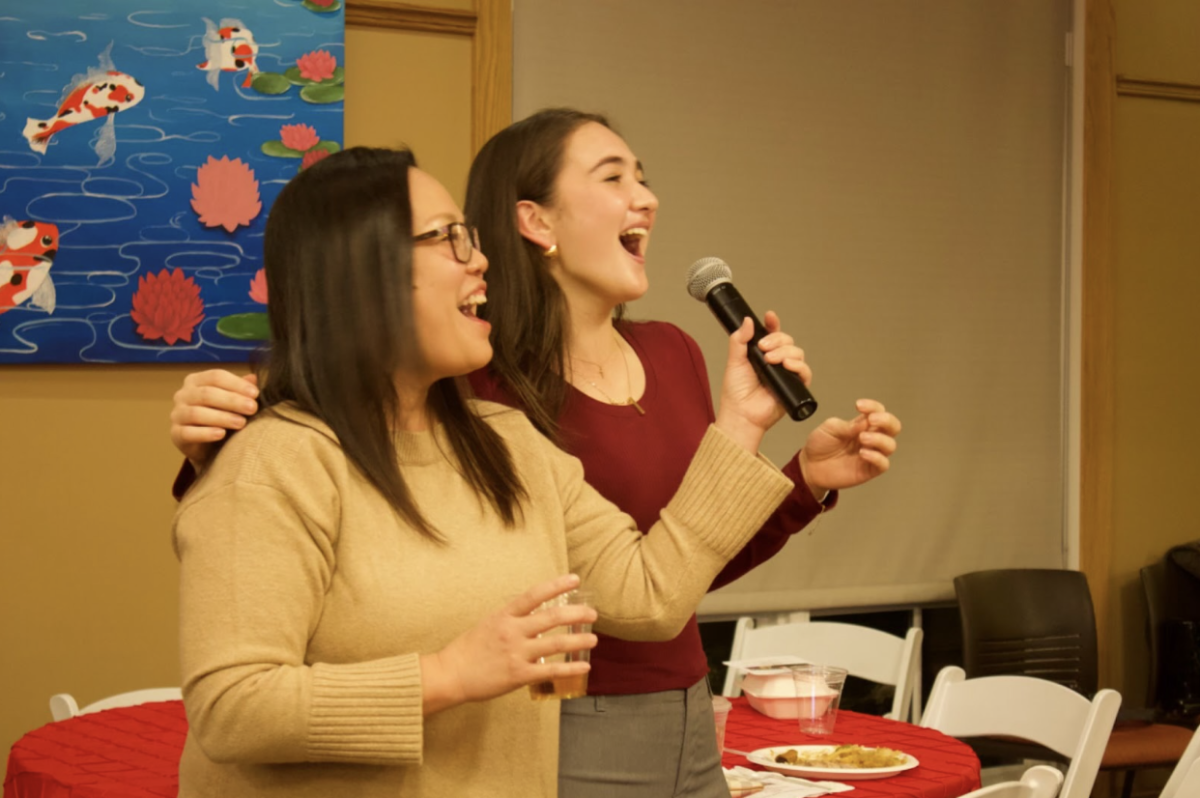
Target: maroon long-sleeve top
637,462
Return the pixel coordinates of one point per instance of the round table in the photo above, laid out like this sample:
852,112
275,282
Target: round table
131,752
948,767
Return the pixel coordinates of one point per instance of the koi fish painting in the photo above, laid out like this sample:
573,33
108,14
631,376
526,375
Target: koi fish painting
142,144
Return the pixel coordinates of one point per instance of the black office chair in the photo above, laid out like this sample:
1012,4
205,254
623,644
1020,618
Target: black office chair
1173,689
1178,628
1040,622
1154,590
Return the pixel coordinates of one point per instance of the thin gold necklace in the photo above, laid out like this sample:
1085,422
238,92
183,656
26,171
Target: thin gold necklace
628,381
599,367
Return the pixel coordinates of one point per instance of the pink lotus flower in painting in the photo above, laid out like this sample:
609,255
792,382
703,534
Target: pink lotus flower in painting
225,194
258,287
312,156
167,306
299,137
317,65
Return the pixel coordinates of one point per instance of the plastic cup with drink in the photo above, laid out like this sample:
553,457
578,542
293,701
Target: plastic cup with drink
568,686
721,707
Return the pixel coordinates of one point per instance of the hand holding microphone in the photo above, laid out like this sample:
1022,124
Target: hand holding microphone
838,454
710,280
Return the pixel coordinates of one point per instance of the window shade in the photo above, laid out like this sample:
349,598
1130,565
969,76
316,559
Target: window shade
889,178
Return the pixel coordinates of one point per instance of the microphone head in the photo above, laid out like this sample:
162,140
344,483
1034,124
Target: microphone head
705,274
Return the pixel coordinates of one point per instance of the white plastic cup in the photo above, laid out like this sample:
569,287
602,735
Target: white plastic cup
818,693
721,707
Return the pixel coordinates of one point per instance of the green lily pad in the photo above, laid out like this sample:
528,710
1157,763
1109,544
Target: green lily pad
329,9
293,75
245,327
270,83
329,146
323,94
276,149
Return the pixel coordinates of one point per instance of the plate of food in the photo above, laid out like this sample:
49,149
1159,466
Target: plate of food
835,762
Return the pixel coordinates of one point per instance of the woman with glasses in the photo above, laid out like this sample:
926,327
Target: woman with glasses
362,566
463,240
565,218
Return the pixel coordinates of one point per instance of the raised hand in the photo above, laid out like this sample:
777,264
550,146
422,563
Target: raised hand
841,454
501,652
207,406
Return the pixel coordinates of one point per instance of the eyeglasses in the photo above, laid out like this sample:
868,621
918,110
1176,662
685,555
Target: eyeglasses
463,240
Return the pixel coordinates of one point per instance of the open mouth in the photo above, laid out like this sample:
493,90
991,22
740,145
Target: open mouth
470,306
634,240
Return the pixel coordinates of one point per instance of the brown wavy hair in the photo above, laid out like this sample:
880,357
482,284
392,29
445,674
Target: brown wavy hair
338,252
527,308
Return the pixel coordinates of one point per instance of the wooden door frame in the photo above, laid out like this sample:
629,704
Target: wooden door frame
1098,344
488,26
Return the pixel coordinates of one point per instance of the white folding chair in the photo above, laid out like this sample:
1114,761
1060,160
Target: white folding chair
1040,781
1033,709
63,705
1185,778
864,652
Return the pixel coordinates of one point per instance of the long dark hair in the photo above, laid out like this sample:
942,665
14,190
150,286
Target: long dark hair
527,308
338,254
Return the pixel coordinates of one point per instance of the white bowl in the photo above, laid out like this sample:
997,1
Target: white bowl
780,708
774,695
769,684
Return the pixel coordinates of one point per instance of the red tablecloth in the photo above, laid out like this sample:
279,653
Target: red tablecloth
948,767
132,752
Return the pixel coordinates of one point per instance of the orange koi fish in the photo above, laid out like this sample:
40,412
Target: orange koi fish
230,48
26,254
91,99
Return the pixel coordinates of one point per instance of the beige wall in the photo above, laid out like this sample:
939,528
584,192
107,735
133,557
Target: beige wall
1156,237
87,575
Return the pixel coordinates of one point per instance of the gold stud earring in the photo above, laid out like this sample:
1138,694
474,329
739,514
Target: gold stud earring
552,252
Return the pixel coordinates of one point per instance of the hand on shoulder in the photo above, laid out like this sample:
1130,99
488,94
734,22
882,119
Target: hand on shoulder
207,406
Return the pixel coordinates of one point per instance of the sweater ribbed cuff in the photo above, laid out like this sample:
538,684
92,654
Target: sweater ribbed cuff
727,493
367,712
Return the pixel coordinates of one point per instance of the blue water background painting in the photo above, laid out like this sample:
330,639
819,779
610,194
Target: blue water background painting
126,214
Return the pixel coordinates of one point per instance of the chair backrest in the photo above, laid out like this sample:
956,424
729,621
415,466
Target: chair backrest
1185,778
1154,589
63,705
1040,781
1187,785
1030,708
1030,622
864,652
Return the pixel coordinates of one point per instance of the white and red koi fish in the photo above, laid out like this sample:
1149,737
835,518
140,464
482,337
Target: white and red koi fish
28,238
27,250
229,48
89,100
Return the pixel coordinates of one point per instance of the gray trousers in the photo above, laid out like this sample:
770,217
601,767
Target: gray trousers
655,745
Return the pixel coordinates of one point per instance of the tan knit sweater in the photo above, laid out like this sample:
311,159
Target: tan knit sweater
306,603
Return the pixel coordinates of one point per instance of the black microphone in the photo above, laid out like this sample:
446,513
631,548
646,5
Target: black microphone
710,280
